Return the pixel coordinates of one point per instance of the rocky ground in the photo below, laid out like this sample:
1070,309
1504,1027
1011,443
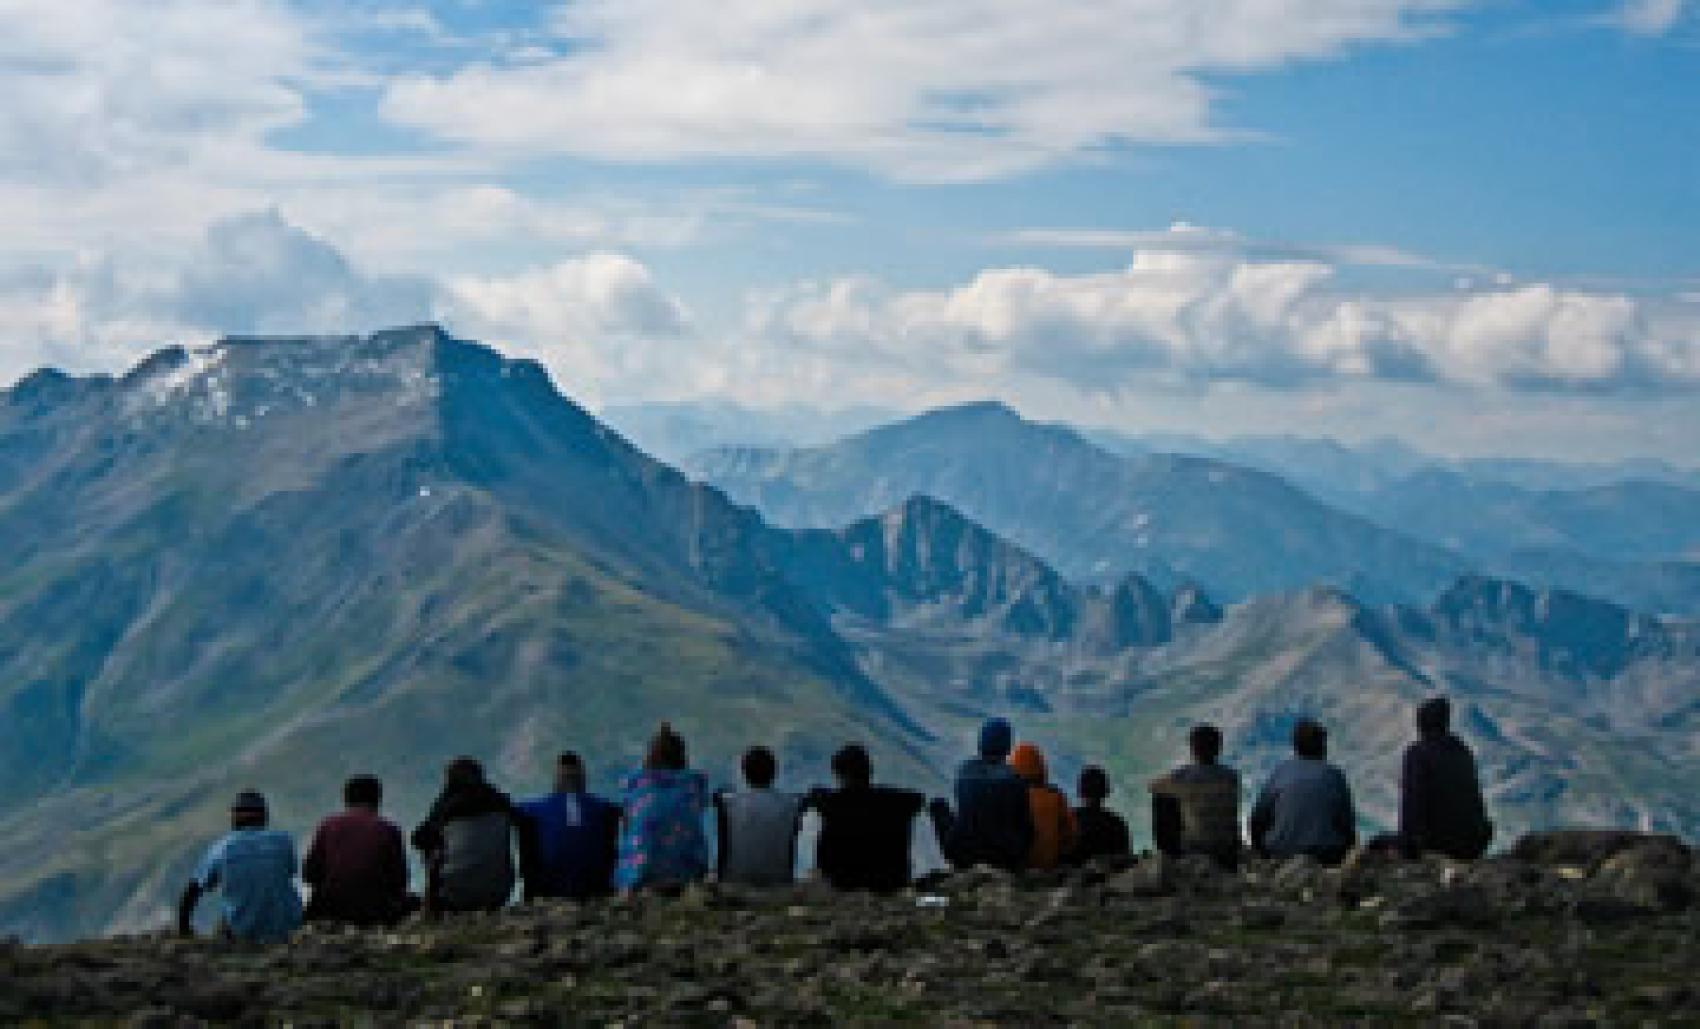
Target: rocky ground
1573,930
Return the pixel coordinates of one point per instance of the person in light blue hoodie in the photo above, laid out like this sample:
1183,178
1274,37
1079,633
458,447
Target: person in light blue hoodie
253,870
1306,805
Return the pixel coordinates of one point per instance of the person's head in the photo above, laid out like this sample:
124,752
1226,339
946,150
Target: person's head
248,810
995,739
666,751
1434,717
569,773
759,767
851,765
1205,742
1093,786
463,772
1310,739
1029,763
363,791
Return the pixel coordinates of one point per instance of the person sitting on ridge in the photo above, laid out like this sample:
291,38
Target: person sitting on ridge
1054,831
993,823
758,826
1305,807
662,842
1102,832
1440,794
467,839
253,869
357,862
568,839
1195,809
865,830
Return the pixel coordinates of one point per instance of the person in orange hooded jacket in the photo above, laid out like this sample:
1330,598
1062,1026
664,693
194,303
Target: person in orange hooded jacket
1054,831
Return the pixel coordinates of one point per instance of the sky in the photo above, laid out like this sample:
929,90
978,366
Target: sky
1472,226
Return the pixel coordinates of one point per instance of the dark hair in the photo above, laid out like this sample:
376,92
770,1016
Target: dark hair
463,771
759,767
249,809
1310,739
1434,716
666,751
569,773
363,791
1094,784
852,765
1206,743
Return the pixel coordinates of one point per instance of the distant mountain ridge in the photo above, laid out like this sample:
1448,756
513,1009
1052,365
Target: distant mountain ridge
277,562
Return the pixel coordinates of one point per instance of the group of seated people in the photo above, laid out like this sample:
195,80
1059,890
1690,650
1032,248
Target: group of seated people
573,844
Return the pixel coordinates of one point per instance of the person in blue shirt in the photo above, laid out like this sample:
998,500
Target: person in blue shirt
253,870
1306,805
568,839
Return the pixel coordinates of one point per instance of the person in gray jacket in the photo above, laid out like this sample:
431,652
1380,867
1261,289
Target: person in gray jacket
1306,805
758,826
468,841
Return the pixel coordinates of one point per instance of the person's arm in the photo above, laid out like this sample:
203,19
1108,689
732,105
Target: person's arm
525,836
1070,828
394,868
1348,815
1414,799
313,869
1166,823
1262,817
186,908
720,821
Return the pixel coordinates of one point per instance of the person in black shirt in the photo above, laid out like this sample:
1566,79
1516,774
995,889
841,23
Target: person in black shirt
1102,832
1441,809
865,829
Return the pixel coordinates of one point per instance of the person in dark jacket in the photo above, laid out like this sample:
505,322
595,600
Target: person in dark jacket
1101,833
992,824
467,840
357,862
865,830
1440,795
1305,807
1195,809
568,839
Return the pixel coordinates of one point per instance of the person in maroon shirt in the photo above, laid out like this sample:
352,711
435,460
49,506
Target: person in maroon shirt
357,864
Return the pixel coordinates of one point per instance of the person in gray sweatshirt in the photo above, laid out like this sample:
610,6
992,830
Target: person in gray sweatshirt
758,826
1305,807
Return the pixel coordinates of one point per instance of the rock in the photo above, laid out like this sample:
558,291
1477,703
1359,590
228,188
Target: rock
1590,848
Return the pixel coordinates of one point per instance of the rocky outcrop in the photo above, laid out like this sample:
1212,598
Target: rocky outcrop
1514,940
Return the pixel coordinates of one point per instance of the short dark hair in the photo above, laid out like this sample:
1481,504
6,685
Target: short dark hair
1093,784
463,771
569,760
363,791
851,763
1434,716
1310,739
1206,743
759,767
666,751
569,772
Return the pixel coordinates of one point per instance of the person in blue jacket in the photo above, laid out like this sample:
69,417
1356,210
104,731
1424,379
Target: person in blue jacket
992,824
252,868
568,839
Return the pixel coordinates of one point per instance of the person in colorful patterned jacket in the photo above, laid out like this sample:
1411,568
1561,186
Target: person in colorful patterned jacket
662,842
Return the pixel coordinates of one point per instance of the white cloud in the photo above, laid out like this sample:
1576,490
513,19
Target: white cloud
1188,315
1649,17
919,89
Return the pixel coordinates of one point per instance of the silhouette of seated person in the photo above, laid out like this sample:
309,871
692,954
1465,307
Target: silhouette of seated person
568,838
992,823
252,868
357,862
1441,810
467,839
1305,807
1195,809
865,830
1100,832
758,826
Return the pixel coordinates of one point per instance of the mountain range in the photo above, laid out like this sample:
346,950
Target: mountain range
276,562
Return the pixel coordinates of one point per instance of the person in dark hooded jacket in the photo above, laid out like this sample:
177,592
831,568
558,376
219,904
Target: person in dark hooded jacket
1440,795
992,824
468,841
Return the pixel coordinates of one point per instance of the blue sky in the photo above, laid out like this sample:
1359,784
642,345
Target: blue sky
1469,225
